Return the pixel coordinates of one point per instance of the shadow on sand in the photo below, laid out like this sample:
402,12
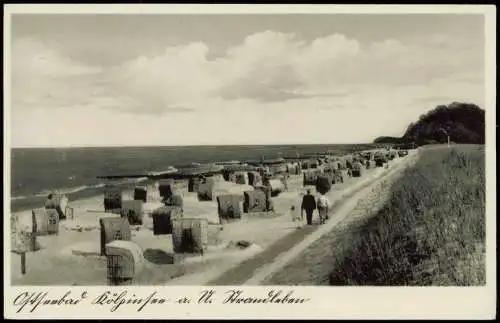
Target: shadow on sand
159,257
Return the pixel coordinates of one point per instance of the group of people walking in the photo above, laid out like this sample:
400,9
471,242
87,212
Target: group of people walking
309,204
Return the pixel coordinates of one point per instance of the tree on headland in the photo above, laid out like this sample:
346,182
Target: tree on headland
463,122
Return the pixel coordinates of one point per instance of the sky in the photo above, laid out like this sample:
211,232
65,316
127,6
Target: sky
133,80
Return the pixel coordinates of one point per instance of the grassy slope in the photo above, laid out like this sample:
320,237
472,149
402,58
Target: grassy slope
432,231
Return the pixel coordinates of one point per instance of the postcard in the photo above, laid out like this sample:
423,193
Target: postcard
249,161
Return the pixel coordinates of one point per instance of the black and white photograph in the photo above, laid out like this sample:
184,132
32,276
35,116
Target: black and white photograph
259,149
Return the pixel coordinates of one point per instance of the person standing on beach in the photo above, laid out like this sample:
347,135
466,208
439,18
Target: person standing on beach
323,208
308,205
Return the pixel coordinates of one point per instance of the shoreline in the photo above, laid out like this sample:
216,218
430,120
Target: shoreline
38,200
27,201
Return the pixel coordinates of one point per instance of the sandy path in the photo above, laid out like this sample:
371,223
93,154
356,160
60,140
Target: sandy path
256,269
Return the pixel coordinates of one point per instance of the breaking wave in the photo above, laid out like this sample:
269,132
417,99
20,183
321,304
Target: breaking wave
76,189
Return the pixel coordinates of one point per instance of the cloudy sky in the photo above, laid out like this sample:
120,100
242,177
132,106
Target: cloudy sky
106,80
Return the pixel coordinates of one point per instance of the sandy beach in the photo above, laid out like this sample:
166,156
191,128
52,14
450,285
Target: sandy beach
73,256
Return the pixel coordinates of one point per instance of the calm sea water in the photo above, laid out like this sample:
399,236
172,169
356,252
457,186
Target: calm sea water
37,171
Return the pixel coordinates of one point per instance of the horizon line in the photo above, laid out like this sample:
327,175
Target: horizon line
194,145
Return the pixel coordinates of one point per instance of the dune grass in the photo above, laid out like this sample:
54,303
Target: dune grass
431,232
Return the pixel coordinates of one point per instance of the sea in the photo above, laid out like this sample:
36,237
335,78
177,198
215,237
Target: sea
36,172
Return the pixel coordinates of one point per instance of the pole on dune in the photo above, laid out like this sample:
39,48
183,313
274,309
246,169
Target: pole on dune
443,131
23,263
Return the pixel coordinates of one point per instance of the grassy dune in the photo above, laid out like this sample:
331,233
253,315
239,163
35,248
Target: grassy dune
432,231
